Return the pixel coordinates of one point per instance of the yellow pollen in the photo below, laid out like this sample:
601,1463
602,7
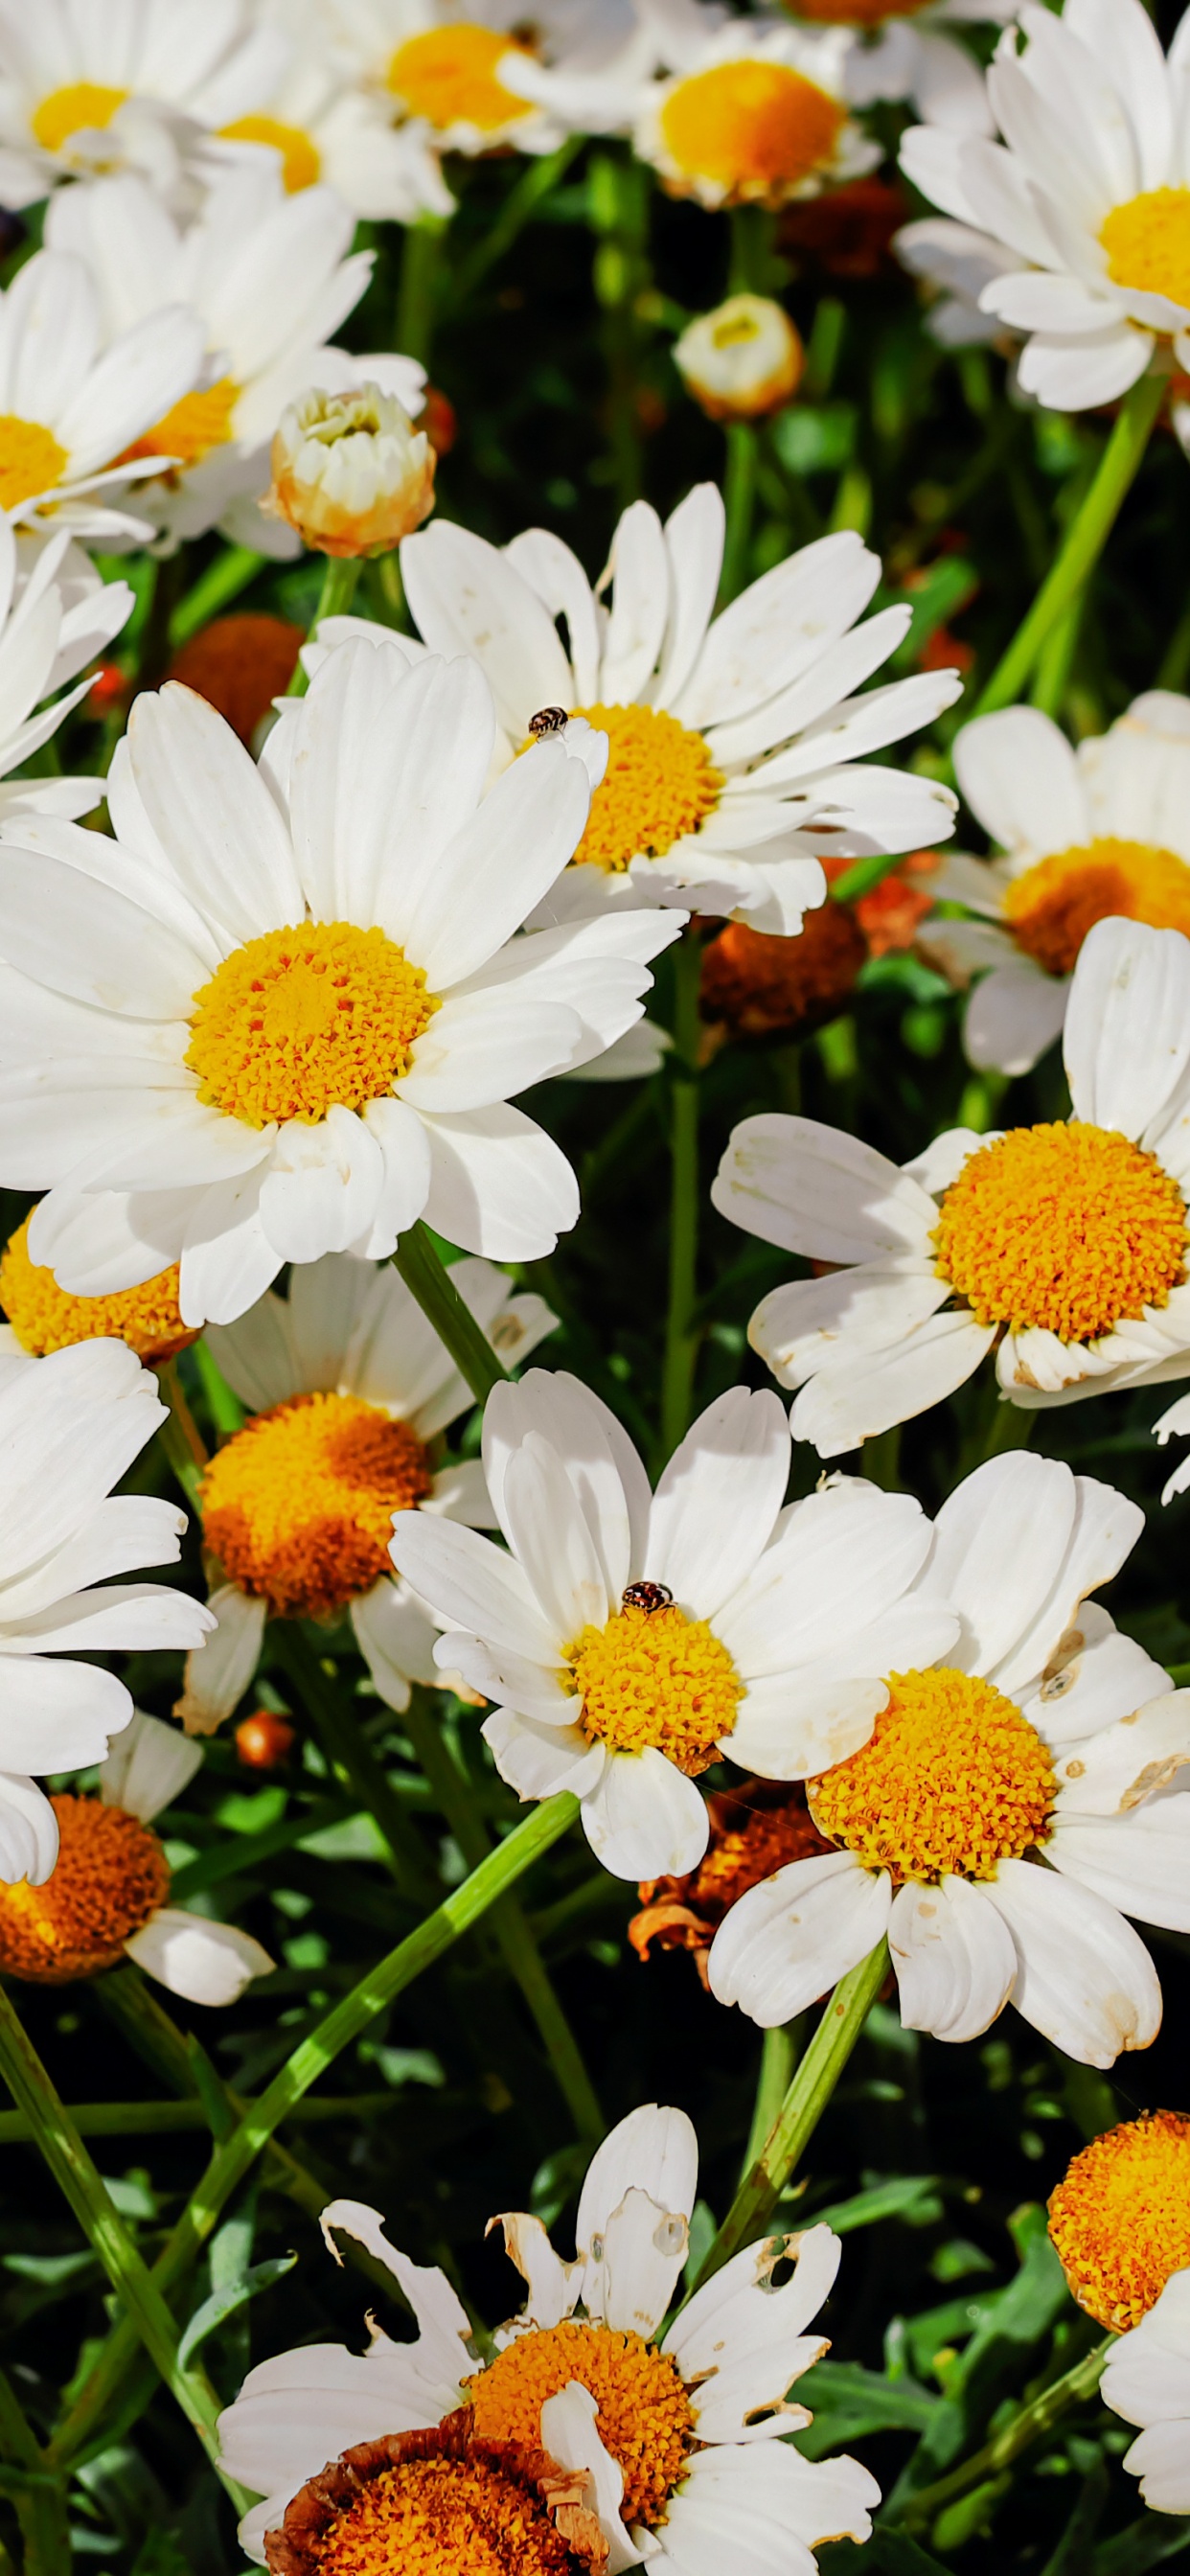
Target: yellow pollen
301,160
1121,2218
659,784
755,128
1052,906
45,1318
434,2504
68,111
188,432
1065,1228
1148,244
448,75
111,1874
298,1506
655,1678
301,1021
952,1781
645,2415
31,460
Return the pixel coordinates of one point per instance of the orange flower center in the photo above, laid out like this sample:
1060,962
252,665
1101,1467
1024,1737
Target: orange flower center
448,75
1121,2218
1067,1228
300,1020
435,2504
298,1506
44,1318
659,785
191,428
111,1874
31,460
953,1779
301,160
1052,906
753,128
644,2412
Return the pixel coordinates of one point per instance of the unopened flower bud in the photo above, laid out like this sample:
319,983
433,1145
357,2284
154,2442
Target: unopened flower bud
350,472
742,360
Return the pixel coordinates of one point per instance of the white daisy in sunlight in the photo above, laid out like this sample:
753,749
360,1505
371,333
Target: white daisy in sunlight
107,1897
630,1640
1011,1805
736,741
1061,1247
1085,205
1085,834
70,1427
449,73
318,123
55,616
347,1387
84,90
284,1014
752,111
69,405
905,49
1120,2223
659,2450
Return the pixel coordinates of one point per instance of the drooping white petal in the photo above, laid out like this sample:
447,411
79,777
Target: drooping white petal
148,1767
644,1818
789,1939
216,1679
1084,1977
954,1958
207,1963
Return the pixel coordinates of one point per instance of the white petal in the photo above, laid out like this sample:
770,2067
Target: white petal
552,2285
815,1190
954,1957
654,2150
1127,1042
634,2263
322,1187
1139,1863
601,1463
756,2508
396,1640
28,1831
569,2433
739,2343
718,1499
217,1677
213,815
1084,1977
498,1185
789,1727
472,1584
538,1760
791,1938
644,1818
207,1963
862,1394
148,1767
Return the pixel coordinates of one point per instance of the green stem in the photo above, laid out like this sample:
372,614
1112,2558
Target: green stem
1019,2434
680,1339
778,2057
38,2497
339,2029
1083,543
230,573
842,2020
509,1923
417,305
339,578
536,182
739,496
1054,662
427,1278
349,1752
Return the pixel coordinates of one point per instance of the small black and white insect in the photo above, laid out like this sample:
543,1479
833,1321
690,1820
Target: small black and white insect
548,720
646,1596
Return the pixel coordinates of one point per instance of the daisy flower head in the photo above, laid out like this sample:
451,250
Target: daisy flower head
1084,834
55,615
40,1317
673,2444
463,79
347,1389
322,121
366,886
1012,1804
905,49
735,742
92,88
629,1640
70,1427
1060,1247
1120,2220
1087,195
751,111
107,1897
72,403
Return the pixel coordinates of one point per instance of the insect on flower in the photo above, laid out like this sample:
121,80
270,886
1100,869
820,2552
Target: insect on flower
548,720
646,1596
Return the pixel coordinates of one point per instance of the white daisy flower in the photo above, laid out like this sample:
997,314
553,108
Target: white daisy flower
1086,833
954,265
1060,1247
269,276
1010,1806
319,123
55,616
676,2446
347,1386
366,886
1120,2223
904,51
96,87
463,79
737,741
630,1639
1147,2381
1090,190
70,407
70,1427
753,111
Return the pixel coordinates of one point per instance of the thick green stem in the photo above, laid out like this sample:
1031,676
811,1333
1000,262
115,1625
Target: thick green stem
421,268
1019,2434
537,181
739,496
223,580
427,1278
680,1339
843,2018
778,2057
1083,543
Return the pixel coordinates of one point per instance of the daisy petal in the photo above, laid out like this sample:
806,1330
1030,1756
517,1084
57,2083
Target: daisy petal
1084,1977
954,1958
791,1938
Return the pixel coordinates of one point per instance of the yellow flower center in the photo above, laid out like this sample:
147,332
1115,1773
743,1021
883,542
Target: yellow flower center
191,428
1148,243
298,1506
68,111
111,1874
1068,1228
645,2415
755,128
301,160
1121,2218
302,1021
655,1678
659,784
1052,906
44,1318
448,75
952,1780
31,460
431,2504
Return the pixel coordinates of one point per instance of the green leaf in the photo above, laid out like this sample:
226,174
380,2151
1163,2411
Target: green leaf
224,2302
849,2403
891,2199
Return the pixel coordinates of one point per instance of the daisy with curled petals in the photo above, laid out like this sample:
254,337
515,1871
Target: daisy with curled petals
752,111
55,615
673,2447
450,74
1120,2220
277,1017
631,1639
70,405
1011,1805
1061,1247
347,1387
904,50
70,1427
1085,834
1084,208
735,741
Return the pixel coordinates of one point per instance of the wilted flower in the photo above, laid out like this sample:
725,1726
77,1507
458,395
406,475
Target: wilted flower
350,472
755,1830
741,361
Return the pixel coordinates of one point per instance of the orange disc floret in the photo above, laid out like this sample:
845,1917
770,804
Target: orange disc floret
1068,1228
644,2412
45,1318
1051,907
654,1678
239,665
111,1874
953,1779
298,1506
187,432
755,1831
659,784
301,161
761,985
1120,2220
439,2503
31,460
301,1021
449,75
754,128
